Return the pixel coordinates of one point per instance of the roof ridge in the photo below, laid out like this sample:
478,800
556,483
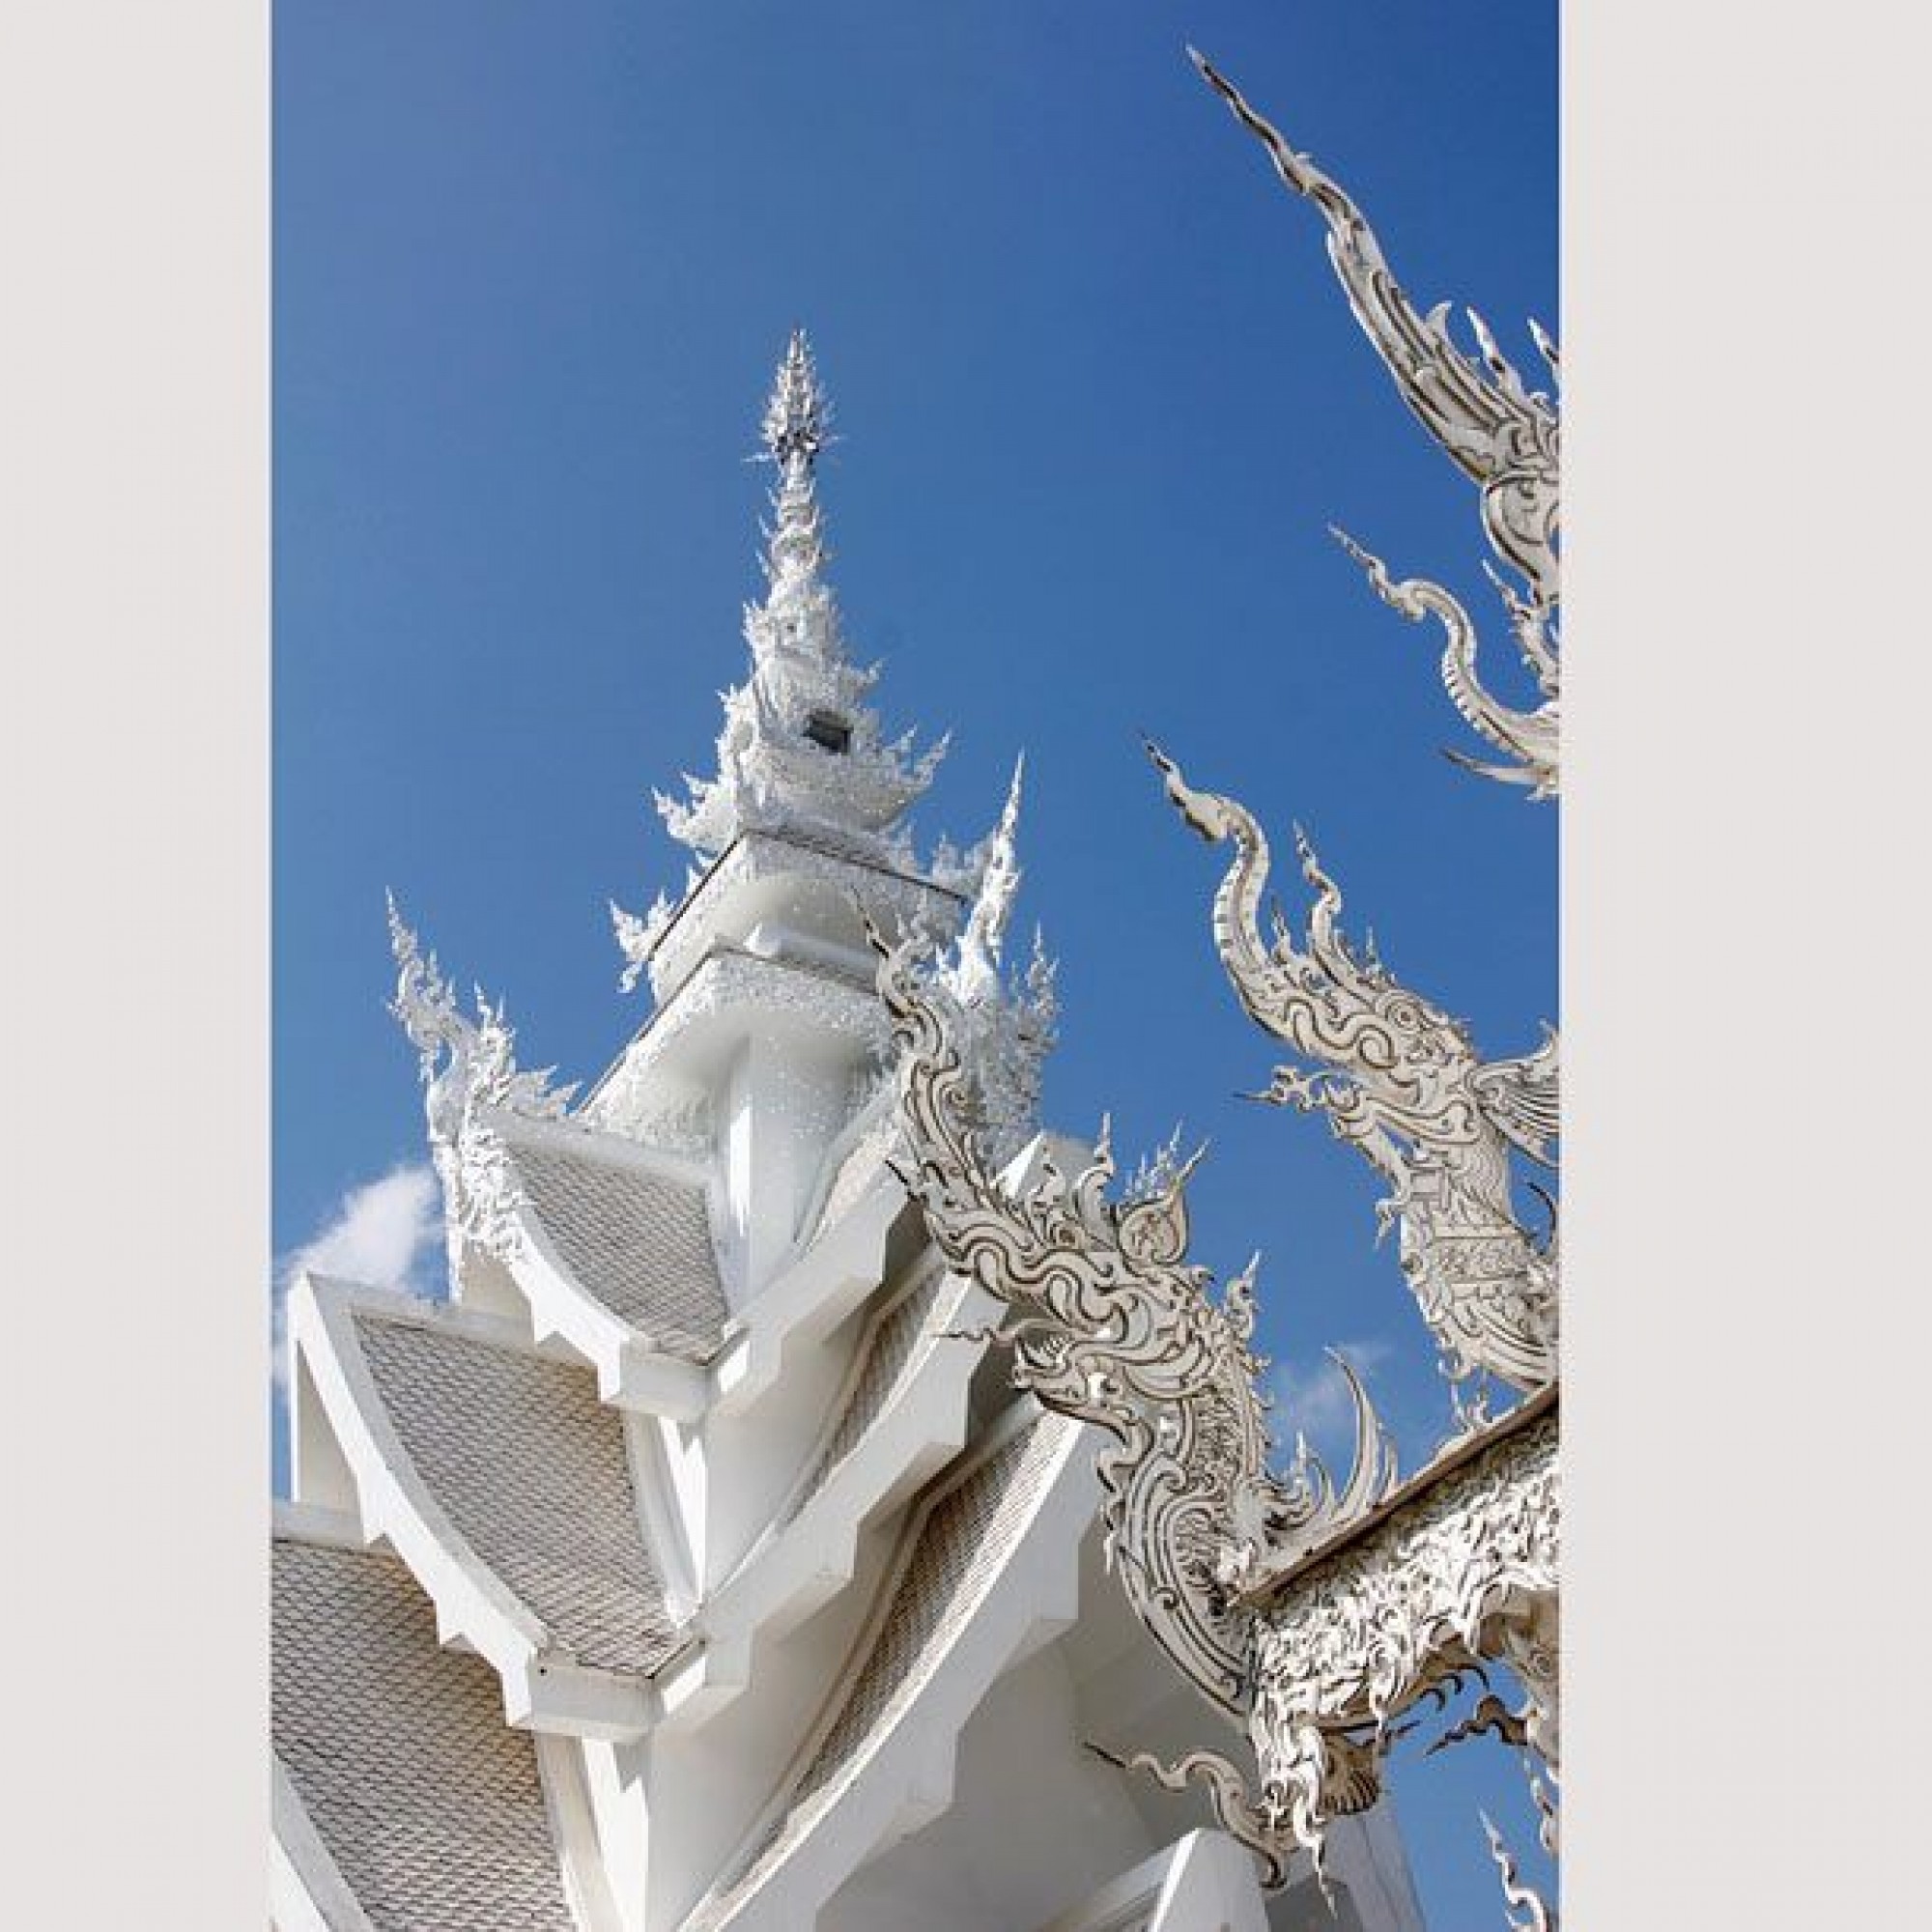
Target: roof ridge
399,1308
601,1145
1016,1432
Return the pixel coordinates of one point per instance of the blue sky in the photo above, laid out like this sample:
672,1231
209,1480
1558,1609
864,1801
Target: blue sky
1100,399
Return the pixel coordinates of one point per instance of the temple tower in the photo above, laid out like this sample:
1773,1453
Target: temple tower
692,1562
765,1027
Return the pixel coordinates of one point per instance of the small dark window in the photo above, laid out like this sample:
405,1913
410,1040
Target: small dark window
831,734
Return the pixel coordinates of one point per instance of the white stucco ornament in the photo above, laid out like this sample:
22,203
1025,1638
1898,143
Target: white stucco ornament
471,1080
638,937
1006,1022
1502,435
1316,1614
1324,1618
1111,1322
683,1569
1463,1571
802,749
1402,1083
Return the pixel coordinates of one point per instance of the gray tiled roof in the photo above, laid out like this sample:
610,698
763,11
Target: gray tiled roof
640,1242
893,1350
532,1471
861,1163
961,1548
426,1799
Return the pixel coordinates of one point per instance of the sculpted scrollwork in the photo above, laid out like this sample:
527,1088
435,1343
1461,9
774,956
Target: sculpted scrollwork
1465,1575
1402,1083
1502,435
1457,1574
1315,1614
1110,1323
1321,1617
1530,740
471,1080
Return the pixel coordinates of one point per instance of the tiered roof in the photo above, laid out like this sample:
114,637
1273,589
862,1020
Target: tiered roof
959,1546
426,1803
531,1470
638,1239
594,1502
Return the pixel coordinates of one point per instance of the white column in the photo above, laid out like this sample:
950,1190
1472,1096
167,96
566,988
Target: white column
784,1102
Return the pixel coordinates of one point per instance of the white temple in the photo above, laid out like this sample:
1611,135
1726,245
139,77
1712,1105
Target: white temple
696,1563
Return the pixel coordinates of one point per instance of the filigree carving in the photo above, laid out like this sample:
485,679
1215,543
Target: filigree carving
891,897
1402,1083
1462,1571
627,1100
1156,1170
1501,434
1227,1790
1530,739
637,939
802,748
1006,1024
471,1080
1111,1324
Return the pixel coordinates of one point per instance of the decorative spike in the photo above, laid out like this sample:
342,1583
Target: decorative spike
801,747
798,416
1475,408
1156,1170
1499,364
1000,880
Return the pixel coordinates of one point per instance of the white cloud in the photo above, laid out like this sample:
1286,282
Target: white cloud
1316,1400
380,1234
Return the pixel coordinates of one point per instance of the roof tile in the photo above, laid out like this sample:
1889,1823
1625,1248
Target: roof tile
640,1242
532,1471
429,1803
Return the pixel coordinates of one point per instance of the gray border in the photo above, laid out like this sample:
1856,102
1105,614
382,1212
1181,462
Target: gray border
1747,1363
134,569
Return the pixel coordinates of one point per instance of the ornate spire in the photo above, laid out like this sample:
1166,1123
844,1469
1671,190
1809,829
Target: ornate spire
800,614
801,752
1006,1025
798,417
982,940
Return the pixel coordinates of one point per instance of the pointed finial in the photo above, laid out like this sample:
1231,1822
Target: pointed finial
801,748
1000,881
1010,816
424,1002
798,417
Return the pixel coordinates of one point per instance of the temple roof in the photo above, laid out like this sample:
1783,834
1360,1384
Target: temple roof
427,1802
635,1238
966,1535
531,1470
896,1344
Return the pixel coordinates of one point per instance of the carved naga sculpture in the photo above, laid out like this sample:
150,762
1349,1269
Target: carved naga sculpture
1402,1084
1111,1324
1503,436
